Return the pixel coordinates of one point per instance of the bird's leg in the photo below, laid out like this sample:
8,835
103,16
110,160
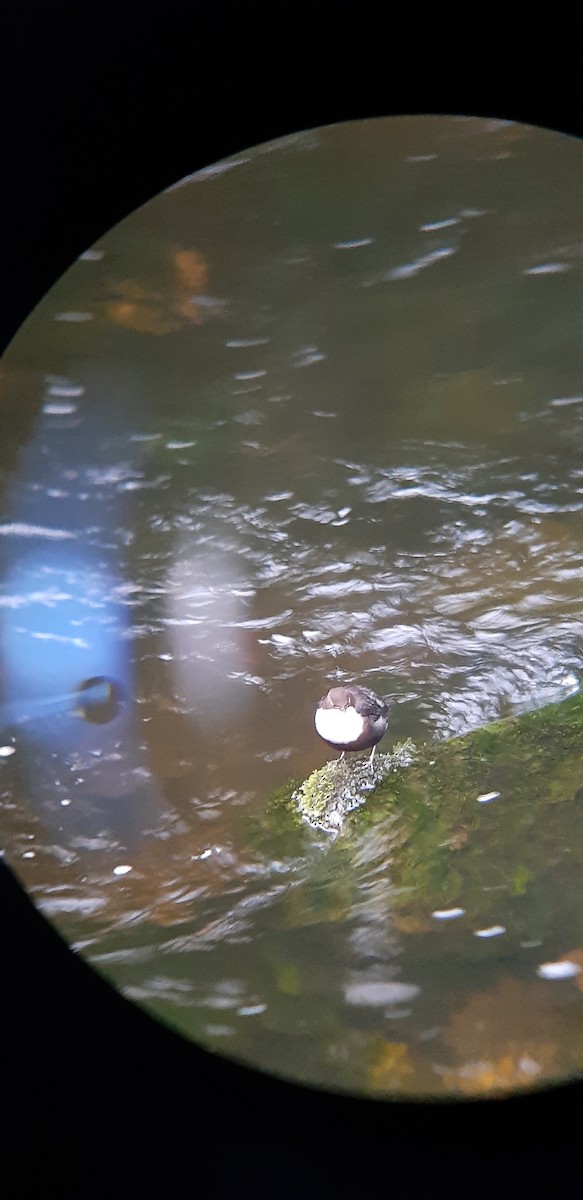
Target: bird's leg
370,761
342,756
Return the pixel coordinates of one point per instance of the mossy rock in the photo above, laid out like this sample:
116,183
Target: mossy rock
467,820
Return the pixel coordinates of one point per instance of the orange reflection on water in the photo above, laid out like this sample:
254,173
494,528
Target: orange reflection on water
139,306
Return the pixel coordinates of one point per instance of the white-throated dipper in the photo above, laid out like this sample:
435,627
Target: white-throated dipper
352,718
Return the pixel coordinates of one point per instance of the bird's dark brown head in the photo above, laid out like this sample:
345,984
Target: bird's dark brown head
337,697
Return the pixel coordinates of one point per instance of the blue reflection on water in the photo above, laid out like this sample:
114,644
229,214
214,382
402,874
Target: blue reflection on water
61,626
67,669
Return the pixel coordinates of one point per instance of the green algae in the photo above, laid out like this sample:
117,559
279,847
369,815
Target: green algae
475,821
536,754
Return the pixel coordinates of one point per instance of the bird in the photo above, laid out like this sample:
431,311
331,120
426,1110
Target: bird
352,718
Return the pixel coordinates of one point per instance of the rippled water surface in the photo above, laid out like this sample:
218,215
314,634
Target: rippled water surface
314,415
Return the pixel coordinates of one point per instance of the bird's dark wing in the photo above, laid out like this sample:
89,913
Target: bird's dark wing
371,705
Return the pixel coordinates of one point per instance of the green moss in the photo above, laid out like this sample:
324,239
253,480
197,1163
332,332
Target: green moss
288,980
420,806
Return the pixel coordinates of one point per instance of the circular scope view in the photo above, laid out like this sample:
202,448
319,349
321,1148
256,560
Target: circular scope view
291,632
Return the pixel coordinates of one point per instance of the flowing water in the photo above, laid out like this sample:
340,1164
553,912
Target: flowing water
313,415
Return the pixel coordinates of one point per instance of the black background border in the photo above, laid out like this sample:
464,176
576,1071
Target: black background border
102,106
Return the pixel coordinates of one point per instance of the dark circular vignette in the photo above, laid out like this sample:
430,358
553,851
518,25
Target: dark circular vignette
101,112
102,1085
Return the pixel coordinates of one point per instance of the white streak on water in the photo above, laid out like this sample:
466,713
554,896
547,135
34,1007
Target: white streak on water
23,529
554,268
565,969
378,994
73,317
355,245
432,226
408,270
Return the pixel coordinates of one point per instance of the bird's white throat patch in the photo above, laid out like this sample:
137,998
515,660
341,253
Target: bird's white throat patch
341,726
